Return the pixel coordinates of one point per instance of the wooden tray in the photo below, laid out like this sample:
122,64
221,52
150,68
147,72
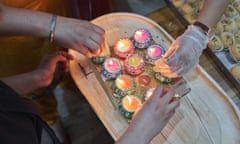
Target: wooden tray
206,115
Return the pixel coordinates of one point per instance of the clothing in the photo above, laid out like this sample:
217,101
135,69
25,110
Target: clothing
23,54
20,122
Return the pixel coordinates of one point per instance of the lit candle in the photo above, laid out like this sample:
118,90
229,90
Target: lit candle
124,85
123,48
129,105
149,93
134,65
142,38
153,53
111,69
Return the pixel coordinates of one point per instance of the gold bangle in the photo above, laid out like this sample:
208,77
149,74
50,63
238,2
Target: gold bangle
52,28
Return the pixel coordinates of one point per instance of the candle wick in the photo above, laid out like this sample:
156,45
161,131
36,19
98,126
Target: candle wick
130,100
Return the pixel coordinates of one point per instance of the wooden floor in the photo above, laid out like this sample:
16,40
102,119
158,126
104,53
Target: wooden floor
81,123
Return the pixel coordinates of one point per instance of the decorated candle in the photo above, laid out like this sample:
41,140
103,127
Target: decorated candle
111,69
134,65
98,59
123,48
142,38
144,80
124,85
153,53
129,105
163,79
149,93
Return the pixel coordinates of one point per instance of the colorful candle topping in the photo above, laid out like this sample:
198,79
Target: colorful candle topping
153,53
111,68
134,64
129,105
124,85
142,38
123,48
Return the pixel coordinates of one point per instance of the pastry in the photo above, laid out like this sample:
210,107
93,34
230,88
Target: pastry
227,39
192,1
178,3
191,18
215,44
230,11
237,37
237,22
219,28
236,5
229,25
188,8
235,51
235,71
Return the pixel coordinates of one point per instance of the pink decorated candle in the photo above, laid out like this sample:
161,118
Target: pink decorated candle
134,65
111,68
154,52
142,38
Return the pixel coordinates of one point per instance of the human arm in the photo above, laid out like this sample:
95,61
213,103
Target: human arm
183,54
42,76
69,33
151,119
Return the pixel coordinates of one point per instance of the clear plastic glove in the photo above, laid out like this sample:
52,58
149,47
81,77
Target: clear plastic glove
183,54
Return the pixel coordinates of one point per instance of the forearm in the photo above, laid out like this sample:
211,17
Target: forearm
212,12
24,83
134,135
17,21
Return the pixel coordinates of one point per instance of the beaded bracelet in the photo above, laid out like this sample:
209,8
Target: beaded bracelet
52,28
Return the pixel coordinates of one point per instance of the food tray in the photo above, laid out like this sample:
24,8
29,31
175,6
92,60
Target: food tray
118,28
201,113
187,11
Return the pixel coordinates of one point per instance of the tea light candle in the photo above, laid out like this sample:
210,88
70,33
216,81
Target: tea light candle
111,68
144,80
98,59
129,105
164,79
124,85
123,48
153,53
134,65
149,93
142,38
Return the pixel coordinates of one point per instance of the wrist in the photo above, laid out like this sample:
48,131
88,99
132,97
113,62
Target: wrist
208,31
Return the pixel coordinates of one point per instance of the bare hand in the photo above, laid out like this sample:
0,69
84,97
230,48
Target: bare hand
79,35
49,64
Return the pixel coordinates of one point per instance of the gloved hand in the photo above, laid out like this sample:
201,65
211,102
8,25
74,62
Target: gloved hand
183,54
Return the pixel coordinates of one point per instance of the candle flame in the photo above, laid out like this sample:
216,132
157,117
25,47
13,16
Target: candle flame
130,100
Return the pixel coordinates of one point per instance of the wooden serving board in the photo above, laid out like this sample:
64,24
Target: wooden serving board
206,115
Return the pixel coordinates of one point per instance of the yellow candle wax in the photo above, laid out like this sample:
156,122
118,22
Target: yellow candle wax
131,103
134,61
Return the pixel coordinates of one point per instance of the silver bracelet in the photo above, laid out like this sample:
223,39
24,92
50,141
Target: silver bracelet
52,28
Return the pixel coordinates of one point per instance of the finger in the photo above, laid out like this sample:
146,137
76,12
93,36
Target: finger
173,105
98,29
82,49
166,98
